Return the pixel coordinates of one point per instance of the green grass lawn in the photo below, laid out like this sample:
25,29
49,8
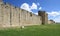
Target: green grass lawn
41,30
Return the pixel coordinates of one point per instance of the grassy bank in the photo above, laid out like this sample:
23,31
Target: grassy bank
41,30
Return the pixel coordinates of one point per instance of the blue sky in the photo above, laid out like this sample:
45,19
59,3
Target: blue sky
52,7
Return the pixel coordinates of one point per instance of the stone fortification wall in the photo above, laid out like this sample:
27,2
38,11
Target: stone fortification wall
11,16
51,22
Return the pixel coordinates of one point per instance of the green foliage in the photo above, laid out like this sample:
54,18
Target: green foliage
41,30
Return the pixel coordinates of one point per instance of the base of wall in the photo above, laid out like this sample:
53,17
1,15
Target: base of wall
15,26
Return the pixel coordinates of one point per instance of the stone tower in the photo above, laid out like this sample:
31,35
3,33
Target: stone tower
52,21
44,16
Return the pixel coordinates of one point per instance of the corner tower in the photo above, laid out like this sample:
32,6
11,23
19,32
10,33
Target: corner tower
44,16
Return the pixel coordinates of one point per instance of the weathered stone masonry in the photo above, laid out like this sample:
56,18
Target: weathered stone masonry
44,16
11,16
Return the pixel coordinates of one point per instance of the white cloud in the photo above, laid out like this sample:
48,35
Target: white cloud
57,19
54,13
36,13
25,6
34,6
40,8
